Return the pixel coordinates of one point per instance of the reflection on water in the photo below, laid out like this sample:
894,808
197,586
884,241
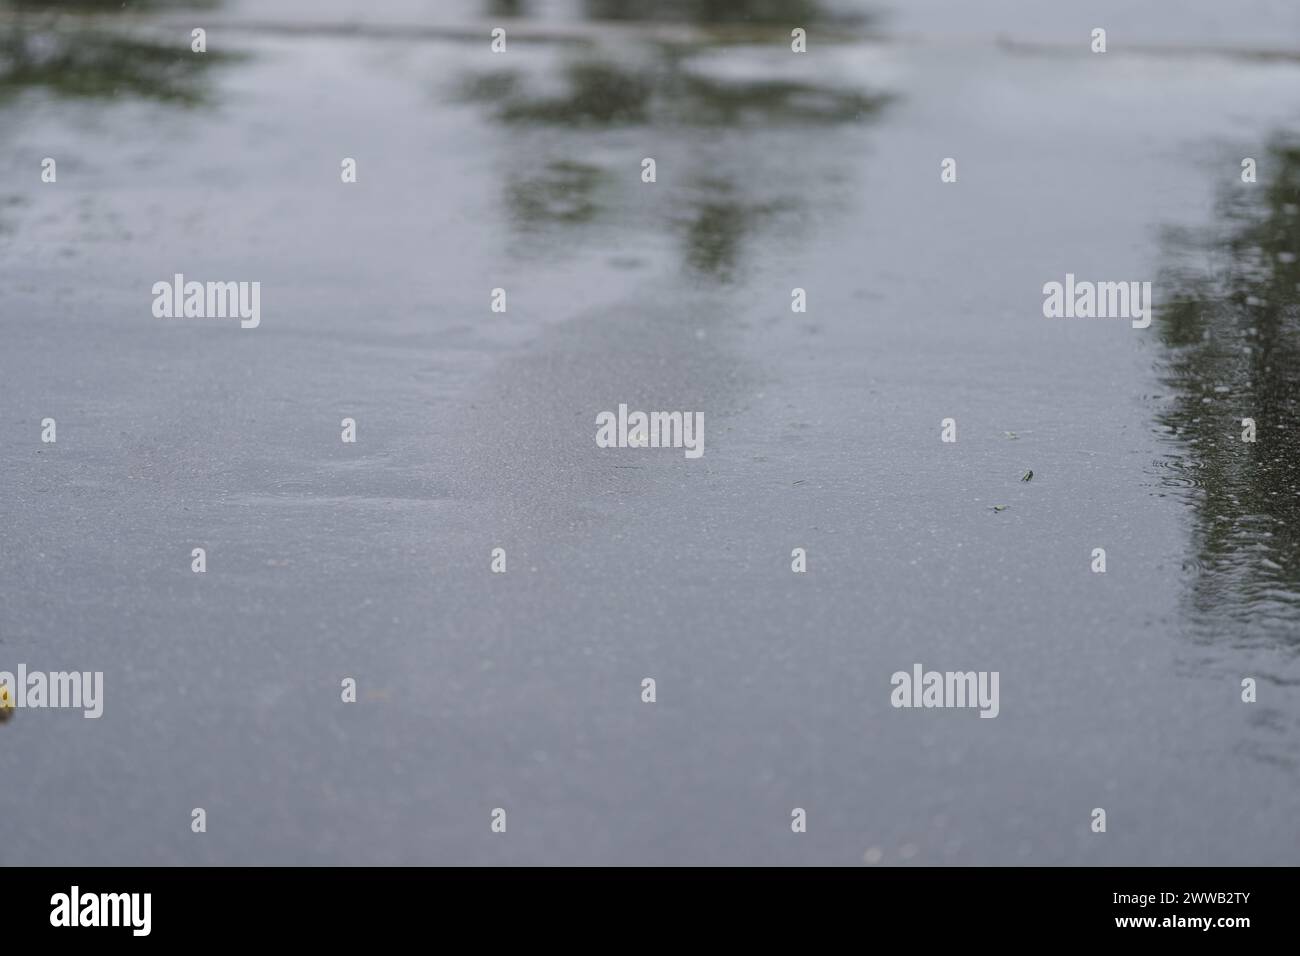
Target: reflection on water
506,8
100,65
714,128
713,238
51,51
714,225
44,53
596,93
793,13
712,102
788,13
1233,335
104,6
605,94
563,193
7,204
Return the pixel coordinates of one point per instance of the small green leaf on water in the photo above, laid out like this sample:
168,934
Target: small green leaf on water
1027,475
999,507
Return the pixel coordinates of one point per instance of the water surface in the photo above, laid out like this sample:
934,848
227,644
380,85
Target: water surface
476,431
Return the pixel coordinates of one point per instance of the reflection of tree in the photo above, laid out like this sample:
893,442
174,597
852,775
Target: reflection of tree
791,13
1234,337
8,202
713,237
715,223
795,13
41,52
85,64
101,6
105,6
563,193
665,94
714,102
598,93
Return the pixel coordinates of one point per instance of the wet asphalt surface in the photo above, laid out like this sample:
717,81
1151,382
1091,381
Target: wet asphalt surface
475,431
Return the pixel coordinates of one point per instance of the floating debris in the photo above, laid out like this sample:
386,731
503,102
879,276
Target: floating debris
1011,435
998,507
1027,475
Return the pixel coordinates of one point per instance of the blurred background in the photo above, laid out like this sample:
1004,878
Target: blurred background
521,170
